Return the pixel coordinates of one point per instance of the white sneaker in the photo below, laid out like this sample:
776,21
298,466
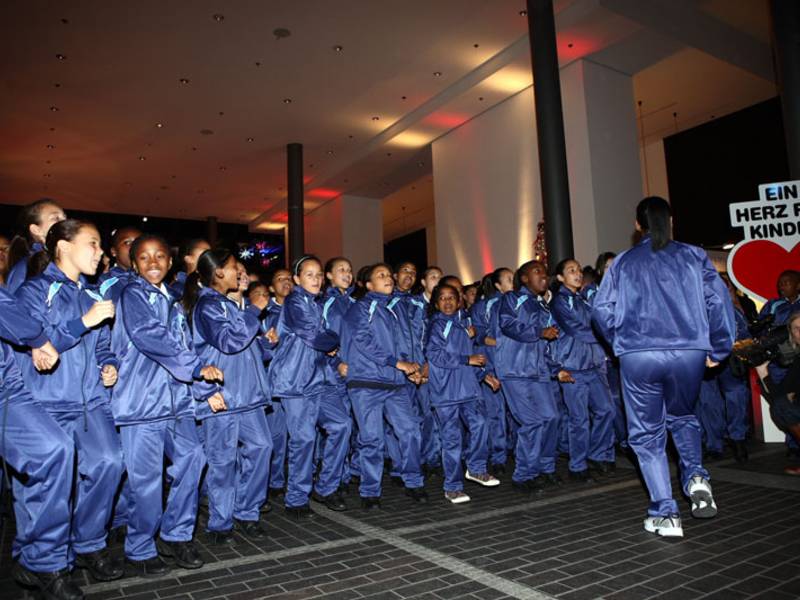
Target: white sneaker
703,505
664,526
484,479
457,497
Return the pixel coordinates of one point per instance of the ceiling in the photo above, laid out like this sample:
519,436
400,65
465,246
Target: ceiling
184,108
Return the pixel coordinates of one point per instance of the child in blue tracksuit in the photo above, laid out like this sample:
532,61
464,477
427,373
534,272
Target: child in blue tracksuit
237,441
667,314
280,287
34,222
74,391
455,390
154,408
337,300
525,367
378,367
188,254
485,318
35,446
588,399
113,281
297,376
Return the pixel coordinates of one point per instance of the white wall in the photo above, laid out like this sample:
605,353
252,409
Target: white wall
323,230
362,230
654,177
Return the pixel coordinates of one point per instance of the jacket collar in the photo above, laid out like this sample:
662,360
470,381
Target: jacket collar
53,273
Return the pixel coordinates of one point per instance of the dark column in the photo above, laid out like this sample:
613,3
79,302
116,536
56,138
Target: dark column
550,131
786,49
294,156
211,230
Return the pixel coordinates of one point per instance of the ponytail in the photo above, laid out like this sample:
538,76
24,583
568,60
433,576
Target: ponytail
202,276
30,214
63,230
653,215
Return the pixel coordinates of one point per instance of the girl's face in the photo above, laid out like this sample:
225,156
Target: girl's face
258,293
226,278
310,277
341,275
448,301
794,329
535,279
122,248
572,277
4,246
469,296
608,264
82,254
152,261
241,275
190,260
787,286
381,281
406,276
505,281
431,280
282,284
49,215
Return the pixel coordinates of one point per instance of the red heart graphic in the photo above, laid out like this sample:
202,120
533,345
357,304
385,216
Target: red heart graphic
757,264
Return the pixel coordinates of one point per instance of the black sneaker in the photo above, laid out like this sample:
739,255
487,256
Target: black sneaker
221,538
344,489
100,565
53,586
740,451
600,467
538,484
498,469
251,529
276,494
265,508
418,495
434,471
184,554
332,501
117,535
300,513
523,487
581,476
552,479
397,481
151,567
371,503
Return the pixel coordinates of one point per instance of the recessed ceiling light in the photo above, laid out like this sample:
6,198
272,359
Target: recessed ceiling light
281,32
250,139
403,97
420,164
523,13
144,219
376,118
174,176
223,168
142,158
413,187
58,85
388,154
207,131
184,80
65,21
194,148
52,129
60,56
258,64
330,152
349,137
338,48
149,144
570,45
46,175
476,45
159,125
221,114
47,162
50,146
437,73
480,98
54,108
287,100
218,18
164,187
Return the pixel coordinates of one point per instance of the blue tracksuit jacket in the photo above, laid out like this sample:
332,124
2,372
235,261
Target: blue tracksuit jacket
334,307
780,309
298,364
577,348
485,316
17,328
521,352
19,272
447,349
112,283
672,299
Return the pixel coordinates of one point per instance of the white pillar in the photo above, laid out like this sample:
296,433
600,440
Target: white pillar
349,226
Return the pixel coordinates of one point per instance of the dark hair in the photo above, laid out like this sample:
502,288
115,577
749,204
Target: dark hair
524,268
147,237
427,271
449,279
21,243
273,274
330,264
63,230
490,282
653,214
364,275
555,284
116,235
253,286
600,263
297,265
437,292
207,265
400,265
789,273
186,249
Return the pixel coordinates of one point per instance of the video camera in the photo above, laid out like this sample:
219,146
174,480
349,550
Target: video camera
769,343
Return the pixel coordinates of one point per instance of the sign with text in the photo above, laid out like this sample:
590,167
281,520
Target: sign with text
771,241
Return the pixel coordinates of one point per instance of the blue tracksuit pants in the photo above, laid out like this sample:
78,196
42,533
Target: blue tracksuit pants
326,409
451,420
736,393
711,413
97,445
276,420
38,448
370,406
493,406
563,423
590,419
660,389
238,447
615,387
533,405
431,439
145,445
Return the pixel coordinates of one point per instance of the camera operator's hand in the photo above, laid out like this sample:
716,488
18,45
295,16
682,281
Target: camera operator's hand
763,370
711,363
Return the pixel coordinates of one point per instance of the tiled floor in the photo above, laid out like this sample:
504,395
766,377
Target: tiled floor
574,542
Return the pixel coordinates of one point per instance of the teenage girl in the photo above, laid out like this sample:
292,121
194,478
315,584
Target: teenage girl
154,408
5,244
296,374
378,367
74,391
485,318
113,281
33,223
588,399
188,254
668,315
526,369
237,441
455,389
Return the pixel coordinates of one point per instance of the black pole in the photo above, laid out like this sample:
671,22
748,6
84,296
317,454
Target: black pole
211,230
786,49
294,161
550,131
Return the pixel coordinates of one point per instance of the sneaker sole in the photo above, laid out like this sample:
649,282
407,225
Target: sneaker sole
703,505
459,500
664,531
491,483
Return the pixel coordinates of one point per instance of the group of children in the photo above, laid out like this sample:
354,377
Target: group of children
289,389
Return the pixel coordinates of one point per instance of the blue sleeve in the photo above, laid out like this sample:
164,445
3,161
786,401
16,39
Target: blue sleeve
103,349
203,390
16,326
721,320
367,343
63,335
513,327
570,322
437,353
153,339
479,321
302,321
16,276
605,301
227,328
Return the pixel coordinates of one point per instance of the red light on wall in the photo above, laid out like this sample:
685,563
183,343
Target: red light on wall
281,217
325,193
445,119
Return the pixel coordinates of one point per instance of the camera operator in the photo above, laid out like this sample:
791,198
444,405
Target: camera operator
784,397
